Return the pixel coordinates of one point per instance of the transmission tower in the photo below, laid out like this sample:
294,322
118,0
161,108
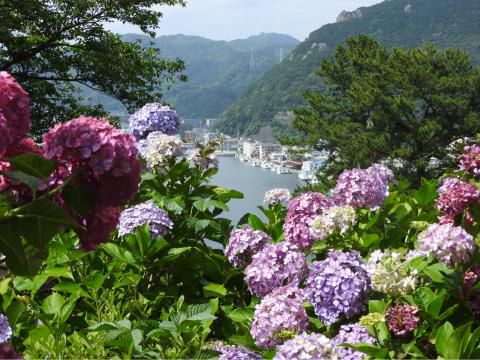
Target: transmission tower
252,60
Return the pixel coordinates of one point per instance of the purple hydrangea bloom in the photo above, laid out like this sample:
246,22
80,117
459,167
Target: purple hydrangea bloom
154,117
338,285
449,244
276,265
352,334
363,188
455,196
237,353
145,213
280,311
5,329
306,347
470,160
243,244
402,319
302,211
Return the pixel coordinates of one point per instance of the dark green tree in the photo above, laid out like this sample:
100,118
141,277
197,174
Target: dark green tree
400,106
55,47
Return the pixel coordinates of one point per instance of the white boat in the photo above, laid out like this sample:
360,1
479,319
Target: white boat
266,165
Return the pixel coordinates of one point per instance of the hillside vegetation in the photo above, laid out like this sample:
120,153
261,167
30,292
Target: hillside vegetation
395,23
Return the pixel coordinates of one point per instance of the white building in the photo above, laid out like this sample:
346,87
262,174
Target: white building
250,149
264,150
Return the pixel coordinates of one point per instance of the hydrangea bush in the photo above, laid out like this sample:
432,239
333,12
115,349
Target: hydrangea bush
115,246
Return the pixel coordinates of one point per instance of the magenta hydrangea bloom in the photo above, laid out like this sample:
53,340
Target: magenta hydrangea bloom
282,310
276,265
141,214
449,244
363,188
338,286
470,160
14,111
402,319
455,197
99,224
352,334
106,157
307,347
243,244
471,296
154,117
7,352
237,353
302,211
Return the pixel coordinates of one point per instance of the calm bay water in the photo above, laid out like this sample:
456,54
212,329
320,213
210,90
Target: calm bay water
253,182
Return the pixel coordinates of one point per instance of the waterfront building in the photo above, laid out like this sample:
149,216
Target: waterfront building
264,150
250,149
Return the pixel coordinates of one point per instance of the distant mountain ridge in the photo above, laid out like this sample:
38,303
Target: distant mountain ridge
395,23
219,72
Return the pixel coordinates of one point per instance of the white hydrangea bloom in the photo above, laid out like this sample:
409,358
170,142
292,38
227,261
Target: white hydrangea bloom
277,196
158,148
390,275
334,219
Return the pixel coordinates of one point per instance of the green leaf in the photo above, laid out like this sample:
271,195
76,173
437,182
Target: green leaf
427,192
377,306
441,339
31,181
40,220
256,222
370,350
53,304
78,198
94,281
242,315
216,290
120,254
71,288
33,165
14,311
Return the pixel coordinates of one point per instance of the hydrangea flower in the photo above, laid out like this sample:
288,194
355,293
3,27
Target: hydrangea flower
243,244
307,347
455,196
7,352
371,319
449,244
472,297
470,160
14,111
203,162
402,319
279,311
302,211
106,158
335,219
145,213
363,188
5,329
237,353
338,286
352,334
99,224
154,117
158,149
277,196
389,273
276,265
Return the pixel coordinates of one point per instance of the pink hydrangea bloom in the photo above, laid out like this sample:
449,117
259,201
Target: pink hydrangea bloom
302,210
470,160
15,111
361,188
106,157
455,197
99,225
402,320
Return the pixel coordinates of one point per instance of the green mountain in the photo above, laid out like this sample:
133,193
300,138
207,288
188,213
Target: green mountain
395,23
218,72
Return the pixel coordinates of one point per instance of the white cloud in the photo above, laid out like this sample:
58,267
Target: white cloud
234,19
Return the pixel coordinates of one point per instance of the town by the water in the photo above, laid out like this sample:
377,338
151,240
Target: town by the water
278,158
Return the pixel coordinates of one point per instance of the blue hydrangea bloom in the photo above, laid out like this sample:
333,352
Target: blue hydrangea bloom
5,329
145,213
154,117
352,334
338,286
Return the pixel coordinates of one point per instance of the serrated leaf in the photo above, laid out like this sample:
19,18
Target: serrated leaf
31,181
33,165
53,304
212,289
242,315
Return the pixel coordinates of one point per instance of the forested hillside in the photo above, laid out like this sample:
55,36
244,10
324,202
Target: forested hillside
218,71
395,23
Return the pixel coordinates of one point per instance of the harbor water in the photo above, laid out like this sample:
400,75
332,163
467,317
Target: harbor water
253,182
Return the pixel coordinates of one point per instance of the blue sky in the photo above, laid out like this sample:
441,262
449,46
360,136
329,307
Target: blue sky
234,19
